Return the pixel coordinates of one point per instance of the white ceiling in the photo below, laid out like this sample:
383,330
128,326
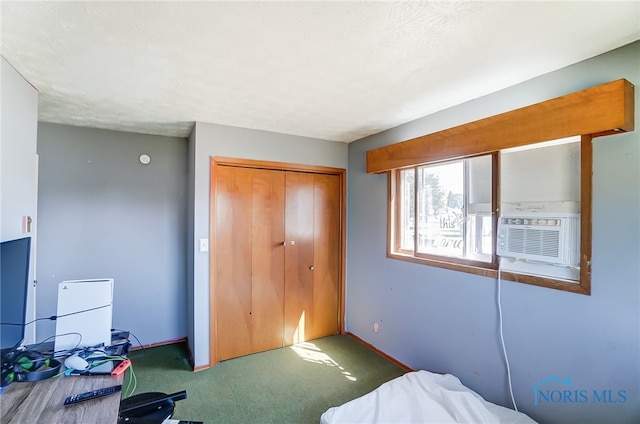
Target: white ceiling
329,70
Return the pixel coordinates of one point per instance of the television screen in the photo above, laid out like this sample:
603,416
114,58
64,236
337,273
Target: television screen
14,281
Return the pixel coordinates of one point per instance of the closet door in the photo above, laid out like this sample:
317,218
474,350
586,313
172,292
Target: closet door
267,262
276,257
249,261
326,255
312,256
298,282
233,258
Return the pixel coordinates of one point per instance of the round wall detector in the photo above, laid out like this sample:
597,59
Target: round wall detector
145,159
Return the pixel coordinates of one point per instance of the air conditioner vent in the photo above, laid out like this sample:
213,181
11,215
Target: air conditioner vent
534,242
548,239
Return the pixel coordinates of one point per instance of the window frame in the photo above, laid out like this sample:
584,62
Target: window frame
490,269
394,244
597,111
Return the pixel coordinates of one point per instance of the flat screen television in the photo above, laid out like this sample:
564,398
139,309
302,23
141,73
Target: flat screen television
14,282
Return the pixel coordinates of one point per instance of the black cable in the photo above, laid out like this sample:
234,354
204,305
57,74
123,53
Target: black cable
55,317
32,347
134,336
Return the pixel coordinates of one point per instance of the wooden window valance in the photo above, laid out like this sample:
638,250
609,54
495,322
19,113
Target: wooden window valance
601,110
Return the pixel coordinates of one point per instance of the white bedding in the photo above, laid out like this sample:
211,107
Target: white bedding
422,397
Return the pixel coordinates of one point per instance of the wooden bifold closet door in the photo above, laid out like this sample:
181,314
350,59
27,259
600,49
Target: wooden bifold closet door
312,256
277,254
250,275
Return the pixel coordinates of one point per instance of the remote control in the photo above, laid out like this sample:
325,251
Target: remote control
81,397
122,367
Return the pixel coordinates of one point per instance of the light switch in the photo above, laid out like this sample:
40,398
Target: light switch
26,224
204,245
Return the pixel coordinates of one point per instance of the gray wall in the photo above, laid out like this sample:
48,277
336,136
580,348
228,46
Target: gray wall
216,140
103,214
19,169
446,321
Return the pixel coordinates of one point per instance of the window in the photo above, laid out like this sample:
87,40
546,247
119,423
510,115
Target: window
445,211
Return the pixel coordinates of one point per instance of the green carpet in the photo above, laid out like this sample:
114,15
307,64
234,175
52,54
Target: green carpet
290,385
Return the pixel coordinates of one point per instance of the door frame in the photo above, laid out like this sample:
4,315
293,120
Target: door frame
217,161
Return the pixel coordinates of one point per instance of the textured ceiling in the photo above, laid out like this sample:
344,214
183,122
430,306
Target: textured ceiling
330,70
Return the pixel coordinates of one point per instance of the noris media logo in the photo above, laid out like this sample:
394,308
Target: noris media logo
556,390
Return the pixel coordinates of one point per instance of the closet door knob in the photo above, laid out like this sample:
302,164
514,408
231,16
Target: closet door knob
311,267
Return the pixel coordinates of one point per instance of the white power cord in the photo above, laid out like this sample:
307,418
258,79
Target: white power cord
504,349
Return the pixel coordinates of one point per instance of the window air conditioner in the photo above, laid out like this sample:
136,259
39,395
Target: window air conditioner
541,237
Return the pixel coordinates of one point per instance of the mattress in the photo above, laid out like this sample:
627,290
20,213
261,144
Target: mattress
422,397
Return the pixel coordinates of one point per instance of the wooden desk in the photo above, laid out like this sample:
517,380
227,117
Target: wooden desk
43,401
